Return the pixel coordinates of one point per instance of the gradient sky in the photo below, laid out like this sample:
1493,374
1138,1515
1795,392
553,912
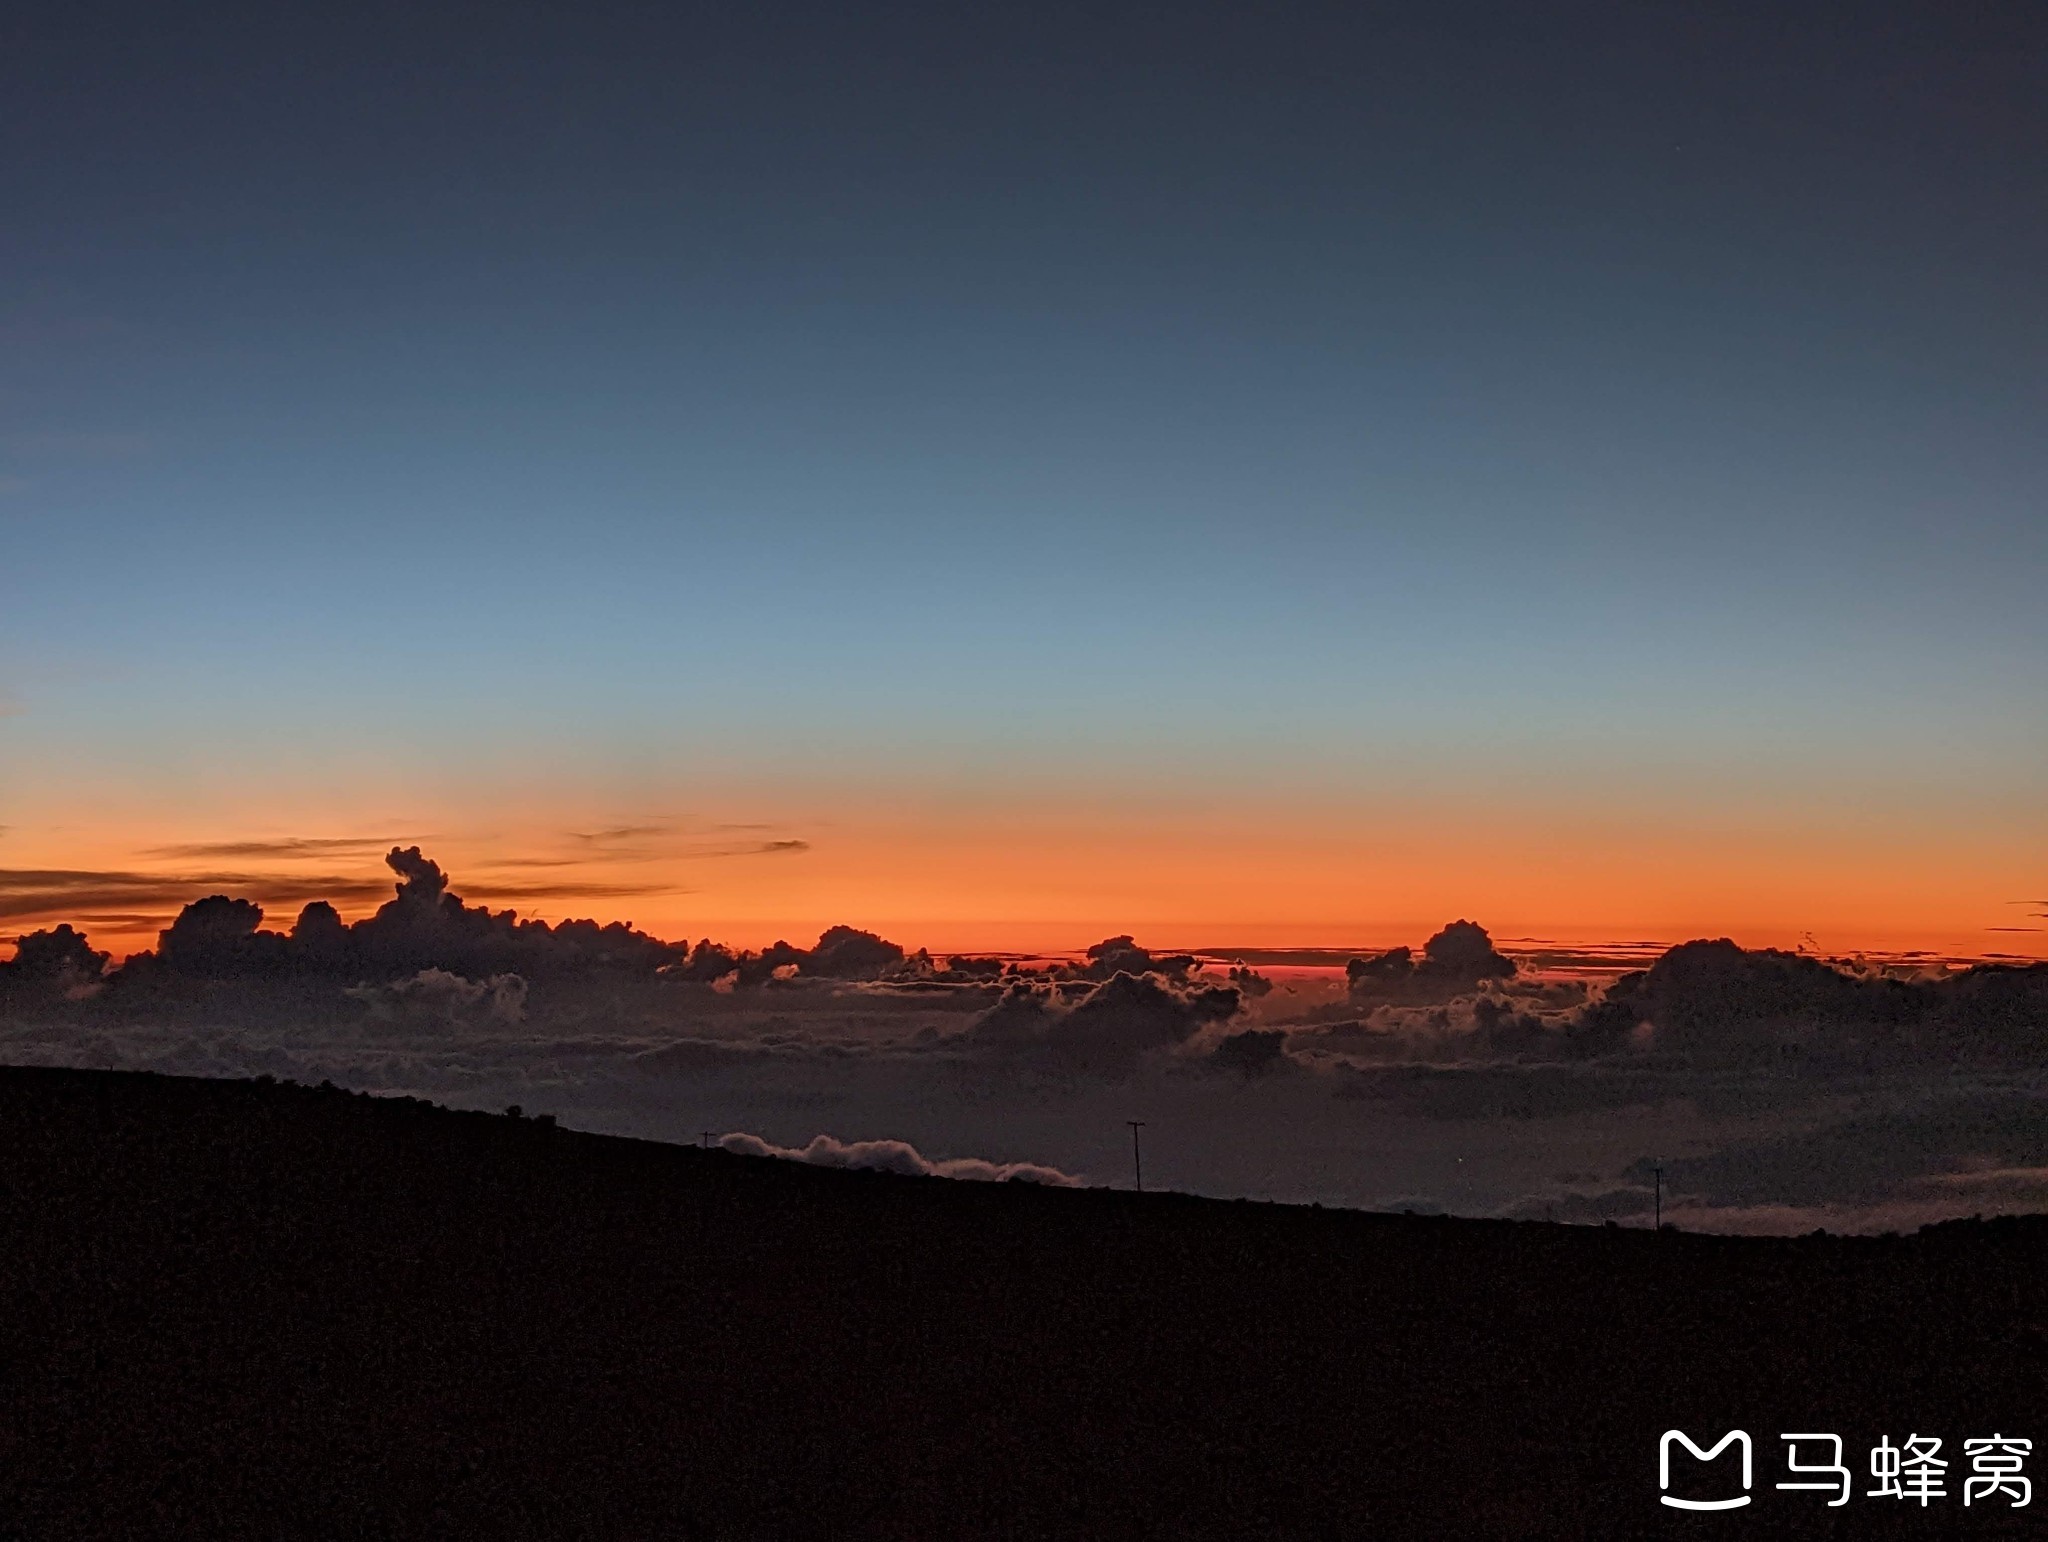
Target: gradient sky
1007,473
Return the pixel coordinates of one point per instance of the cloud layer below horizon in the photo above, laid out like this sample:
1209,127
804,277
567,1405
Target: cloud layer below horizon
1777,1091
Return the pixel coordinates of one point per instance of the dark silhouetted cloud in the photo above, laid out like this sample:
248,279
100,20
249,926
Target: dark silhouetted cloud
1108,1029
1252,1052
1742,1062
59,957
1716,1001
1457,958
849,953
1121,955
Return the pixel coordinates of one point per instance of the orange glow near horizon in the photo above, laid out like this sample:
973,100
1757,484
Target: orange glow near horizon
1054,878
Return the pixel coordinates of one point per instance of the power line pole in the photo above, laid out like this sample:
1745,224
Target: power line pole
1659,1170
1137,1159
707,1140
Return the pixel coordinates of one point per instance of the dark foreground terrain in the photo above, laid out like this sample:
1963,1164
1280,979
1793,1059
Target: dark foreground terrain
230,1309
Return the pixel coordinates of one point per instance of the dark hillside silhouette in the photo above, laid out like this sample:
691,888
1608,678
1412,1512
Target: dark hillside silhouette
235,1309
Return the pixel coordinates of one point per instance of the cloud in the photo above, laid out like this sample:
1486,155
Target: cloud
654,841
218,914
1254,1052
1457,958
120,920
1717,1002
895,1156
1869,1157
1495,1092
64,892
151,896
59,955
687,1057
282,848
427,926
704,849
1108,1029
616,833
1739,1057
1121,955
1999,1185
846,952
422,1000
548,891
439,993
424,925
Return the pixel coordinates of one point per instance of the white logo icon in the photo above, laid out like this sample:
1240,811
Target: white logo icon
1664,1468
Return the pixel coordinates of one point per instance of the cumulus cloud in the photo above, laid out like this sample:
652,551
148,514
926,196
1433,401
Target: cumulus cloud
842,953
1121,955
439,993
849,953
1715,1001
895,1156
423,926
59,960
1741,1061
1108,1029
1249,982
152,897
1457,958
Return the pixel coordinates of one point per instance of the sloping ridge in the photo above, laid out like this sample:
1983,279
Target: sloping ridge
241,1309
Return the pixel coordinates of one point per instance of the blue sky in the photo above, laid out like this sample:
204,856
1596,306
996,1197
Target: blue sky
1146,394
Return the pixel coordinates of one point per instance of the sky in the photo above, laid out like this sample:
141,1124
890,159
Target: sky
1010,474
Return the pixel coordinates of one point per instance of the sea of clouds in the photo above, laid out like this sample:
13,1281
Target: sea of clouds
1773,1091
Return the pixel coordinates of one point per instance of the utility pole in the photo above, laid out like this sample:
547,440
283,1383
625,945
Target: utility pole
1137,1159
1659,1171
707,1140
